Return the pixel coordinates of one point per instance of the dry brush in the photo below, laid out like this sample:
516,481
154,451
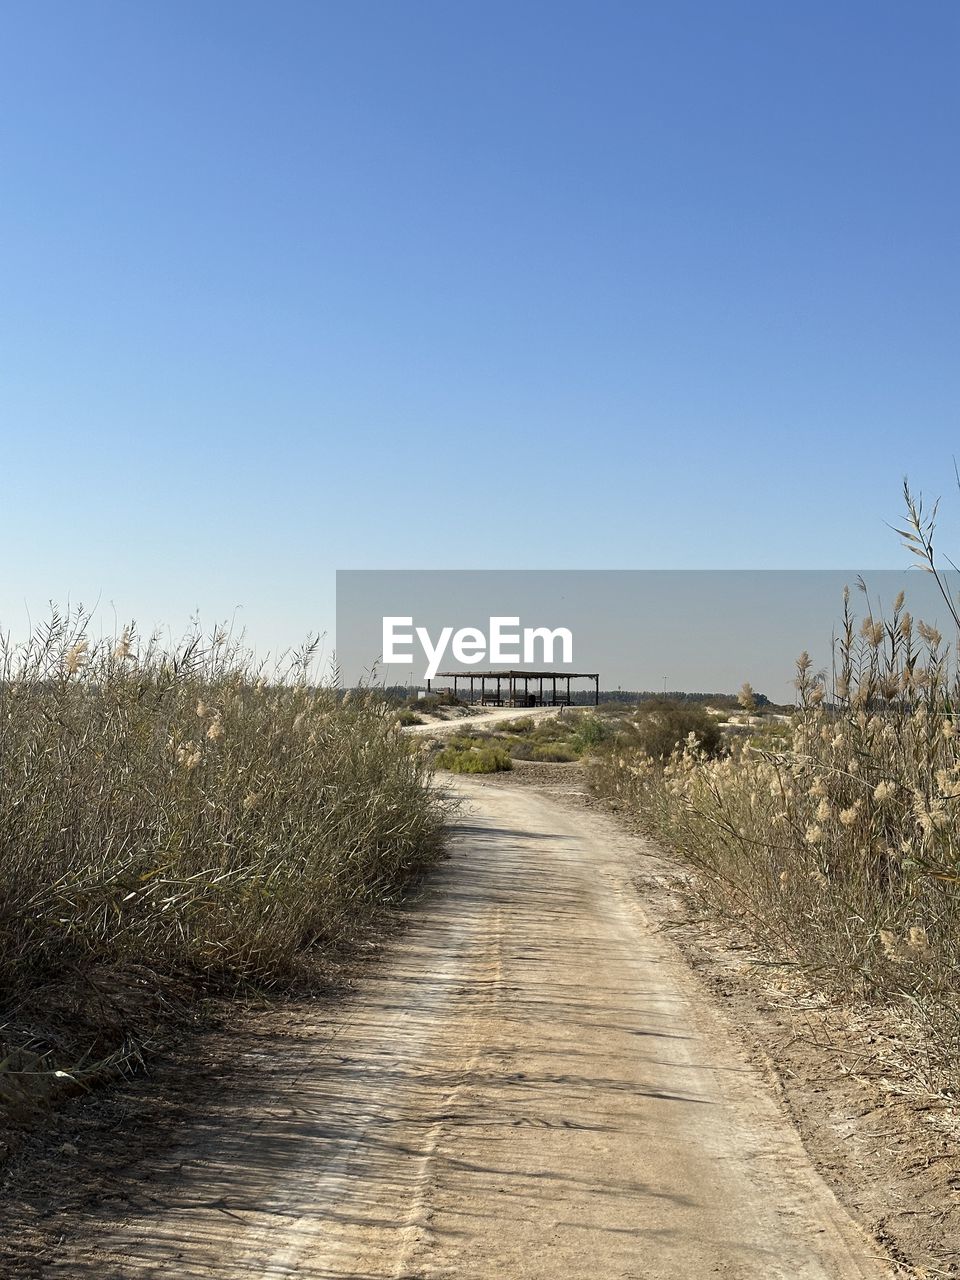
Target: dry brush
172,819
837,841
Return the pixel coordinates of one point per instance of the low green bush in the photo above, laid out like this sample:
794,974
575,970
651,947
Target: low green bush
522,725
590,732
474,759
554,753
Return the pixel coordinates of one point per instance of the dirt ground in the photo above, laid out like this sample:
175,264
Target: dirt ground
531,1081
890,1151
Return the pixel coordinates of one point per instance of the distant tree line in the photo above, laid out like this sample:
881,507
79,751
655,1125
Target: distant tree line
584,697
726,701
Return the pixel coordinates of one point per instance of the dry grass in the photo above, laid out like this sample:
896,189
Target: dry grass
840,848
179,818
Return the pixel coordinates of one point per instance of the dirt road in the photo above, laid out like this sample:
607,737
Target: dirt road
532,1085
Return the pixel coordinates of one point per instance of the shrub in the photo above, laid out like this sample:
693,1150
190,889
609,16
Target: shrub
662,725
464,741
521,725
433,703
590,733
474,759
553,753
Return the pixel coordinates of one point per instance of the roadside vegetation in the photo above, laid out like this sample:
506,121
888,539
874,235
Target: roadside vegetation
417,709
553,740
178,821
660,724
473,755
833,838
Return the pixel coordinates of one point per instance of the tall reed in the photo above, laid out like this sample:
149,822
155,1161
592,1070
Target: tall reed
179,810
840,846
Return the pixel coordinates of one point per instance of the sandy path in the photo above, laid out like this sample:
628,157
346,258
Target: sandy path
532,1085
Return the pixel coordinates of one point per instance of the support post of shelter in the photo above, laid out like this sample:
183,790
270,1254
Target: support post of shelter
518,688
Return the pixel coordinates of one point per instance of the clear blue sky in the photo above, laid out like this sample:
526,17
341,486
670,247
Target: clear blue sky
295,286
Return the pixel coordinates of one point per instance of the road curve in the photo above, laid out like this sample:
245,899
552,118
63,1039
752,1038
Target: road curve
533,1085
